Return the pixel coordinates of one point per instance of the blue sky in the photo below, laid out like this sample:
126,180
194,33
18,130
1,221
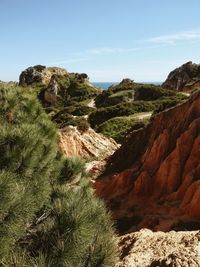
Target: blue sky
107,39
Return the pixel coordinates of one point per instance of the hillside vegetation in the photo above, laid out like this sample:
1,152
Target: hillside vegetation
66,97
49,215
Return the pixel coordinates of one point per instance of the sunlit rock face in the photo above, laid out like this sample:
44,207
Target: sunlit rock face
39,74
153,180
149,249
184,78
89,145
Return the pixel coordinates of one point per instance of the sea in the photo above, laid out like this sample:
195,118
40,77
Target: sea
106,85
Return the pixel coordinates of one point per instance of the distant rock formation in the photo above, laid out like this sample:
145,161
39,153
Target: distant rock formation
157,249
128,83
39,74
184,78
82,77
152,180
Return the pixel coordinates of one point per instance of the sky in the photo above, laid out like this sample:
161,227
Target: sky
107,39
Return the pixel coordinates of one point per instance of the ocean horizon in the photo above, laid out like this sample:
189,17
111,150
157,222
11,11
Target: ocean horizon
106,85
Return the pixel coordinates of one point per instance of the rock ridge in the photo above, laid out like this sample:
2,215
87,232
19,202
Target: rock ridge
154,175
184,78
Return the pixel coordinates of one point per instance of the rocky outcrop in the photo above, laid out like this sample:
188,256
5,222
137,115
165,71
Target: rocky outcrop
87,144
50,94
153,181
184,78
148,249
83,78
39,74
127,83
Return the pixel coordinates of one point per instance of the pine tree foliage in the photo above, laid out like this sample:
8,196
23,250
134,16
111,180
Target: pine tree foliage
27,155
49,215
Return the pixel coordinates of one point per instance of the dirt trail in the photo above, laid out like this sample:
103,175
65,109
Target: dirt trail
141,115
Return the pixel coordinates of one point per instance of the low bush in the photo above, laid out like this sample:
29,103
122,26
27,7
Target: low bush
125,109
116,128
150,93
167,103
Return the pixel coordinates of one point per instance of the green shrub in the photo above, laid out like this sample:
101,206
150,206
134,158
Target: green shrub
80,110
115,95
63,119
72,168
167,103
149,93
77,232
124,92
28,152
116,128
125,109
49,215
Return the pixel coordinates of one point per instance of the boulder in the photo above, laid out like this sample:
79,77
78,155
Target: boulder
39,74
31,75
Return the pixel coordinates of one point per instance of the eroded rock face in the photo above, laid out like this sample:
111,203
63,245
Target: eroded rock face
39,74
184,78
91,146
148,249
50,94
153,181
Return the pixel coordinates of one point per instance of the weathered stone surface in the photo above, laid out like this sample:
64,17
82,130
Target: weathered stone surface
157,249
91,146
88,144
155,174
50,94
39,74
184,78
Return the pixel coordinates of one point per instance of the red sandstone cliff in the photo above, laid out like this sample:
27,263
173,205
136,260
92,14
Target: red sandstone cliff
153,179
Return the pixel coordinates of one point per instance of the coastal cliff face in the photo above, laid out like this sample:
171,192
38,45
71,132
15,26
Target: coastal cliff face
86,144
89,145
184,78
153,179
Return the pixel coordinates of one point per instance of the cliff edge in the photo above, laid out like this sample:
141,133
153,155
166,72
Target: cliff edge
152,180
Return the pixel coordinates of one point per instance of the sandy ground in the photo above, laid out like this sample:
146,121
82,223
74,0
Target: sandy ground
158,249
